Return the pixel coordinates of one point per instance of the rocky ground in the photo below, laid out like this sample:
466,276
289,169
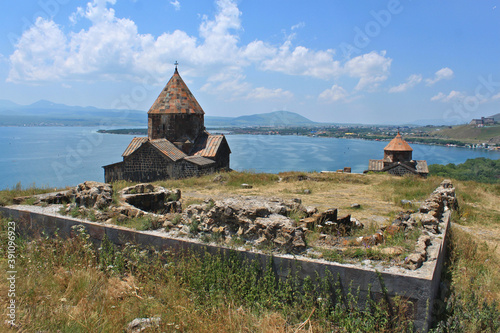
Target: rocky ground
260,223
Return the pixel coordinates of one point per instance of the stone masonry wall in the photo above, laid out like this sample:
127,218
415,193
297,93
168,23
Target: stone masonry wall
146,164
420,290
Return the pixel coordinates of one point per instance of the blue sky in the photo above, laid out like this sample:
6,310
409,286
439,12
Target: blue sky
371,62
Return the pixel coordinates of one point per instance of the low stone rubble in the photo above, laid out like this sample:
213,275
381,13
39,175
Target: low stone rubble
428,218
92,195
140,324
259,221
328,222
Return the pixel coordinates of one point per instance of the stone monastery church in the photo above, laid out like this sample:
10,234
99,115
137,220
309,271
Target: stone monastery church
398,160
177,145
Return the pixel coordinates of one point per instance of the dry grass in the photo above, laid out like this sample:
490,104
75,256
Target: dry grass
62,286
479,213
69,286
379,195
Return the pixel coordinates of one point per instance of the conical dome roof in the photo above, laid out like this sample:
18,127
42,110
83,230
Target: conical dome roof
176,98
398,144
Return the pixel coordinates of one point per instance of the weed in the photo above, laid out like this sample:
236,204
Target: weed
331,255
235,179
7,196
177,218
472,301
296,215
173,196
30,201
145,222
216,237
237,241
205,238
193,226
192,201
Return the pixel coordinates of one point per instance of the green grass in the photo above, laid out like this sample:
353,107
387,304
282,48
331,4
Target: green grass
478,204
145,222
69,285
235,179
7,195
409,187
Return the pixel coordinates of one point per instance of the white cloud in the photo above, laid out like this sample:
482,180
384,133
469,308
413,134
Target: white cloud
412,81
451,97
302,61
176,4
111,48
371,69
298,26
334,94
495,97
442,74
40,53
262,93
230,84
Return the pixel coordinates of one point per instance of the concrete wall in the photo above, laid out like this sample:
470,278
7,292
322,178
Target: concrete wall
421,290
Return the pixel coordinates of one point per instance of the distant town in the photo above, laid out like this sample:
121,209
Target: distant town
469,136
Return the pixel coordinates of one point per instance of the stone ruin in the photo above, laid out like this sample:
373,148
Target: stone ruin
258,221
428,217
89,194
150,198
266,223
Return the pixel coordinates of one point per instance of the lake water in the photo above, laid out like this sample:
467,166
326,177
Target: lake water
61,156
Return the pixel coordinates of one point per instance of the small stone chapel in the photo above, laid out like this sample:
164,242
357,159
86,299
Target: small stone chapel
177,145
398,160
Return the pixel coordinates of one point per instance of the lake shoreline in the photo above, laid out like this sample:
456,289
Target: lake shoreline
463,144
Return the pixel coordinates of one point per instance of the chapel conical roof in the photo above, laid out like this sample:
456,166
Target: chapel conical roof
176,98
398,144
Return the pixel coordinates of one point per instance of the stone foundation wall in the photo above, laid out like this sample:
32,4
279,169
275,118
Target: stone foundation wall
420,286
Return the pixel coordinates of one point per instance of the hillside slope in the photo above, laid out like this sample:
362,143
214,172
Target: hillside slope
470,133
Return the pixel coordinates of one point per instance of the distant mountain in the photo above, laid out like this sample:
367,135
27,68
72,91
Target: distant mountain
8,104
496,117
272,119
47,113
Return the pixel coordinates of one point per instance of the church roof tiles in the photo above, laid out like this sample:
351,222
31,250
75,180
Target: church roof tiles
398,144
176,98
199,160
166,147
133,146
208,145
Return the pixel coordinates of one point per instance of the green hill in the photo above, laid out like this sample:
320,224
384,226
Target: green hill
496,117
470,133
